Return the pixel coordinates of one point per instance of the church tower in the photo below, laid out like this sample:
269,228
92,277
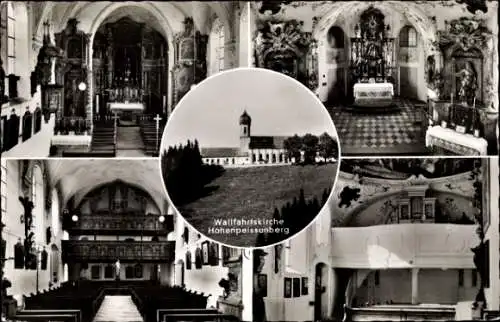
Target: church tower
245,123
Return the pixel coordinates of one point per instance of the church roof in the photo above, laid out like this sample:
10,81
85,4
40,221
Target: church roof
221,153
267,142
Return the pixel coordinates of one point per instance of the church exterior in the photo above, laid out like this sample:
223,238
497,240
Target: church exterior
253,150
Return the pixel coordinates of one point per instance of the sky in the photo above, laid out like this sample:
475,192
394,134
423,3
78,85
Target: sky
278,106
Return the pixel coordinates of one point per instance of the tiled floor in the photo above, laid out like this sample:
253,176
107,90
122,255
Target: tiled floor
118,309
396,132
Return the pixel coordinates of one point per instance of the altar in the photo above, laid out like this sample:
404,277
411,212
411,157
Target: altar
125,107
373,94
455,142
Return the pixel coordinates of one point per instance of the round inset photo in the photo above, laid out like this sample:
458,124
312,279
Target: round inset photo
249,157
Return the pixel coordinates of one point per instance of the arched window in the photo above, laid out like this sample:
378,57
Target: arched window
217,41
8,30
38,199
55,221
408,37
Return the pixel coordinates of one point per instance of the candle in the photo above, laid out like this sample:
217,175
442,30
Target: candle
474,103
97,103
164,102
451,99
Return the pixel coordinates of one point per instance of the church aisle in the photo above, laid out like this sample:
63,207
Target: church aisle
129,142
118,308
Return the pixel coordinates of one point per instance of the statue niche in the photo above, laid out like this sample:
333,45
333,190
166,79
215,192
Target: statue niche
285,48
463,43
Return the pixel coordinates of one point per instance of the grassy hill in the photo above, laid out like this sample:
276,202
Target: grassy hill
254,193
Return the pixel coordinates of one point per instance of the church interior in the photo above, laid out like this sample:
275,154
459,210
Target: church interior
95,240
398,77
399,239
99,79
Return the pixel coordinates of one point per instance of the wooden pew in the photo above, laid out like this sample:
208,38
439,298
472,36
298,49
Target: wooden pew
162,312
217,317
77,314
44,317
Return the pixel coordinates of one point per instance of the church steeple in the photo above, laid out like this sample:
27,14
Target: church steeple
245,122
245,118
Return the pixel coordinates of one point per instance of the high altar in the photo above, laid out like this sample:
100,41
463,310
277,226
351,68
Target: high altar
129,69
372,61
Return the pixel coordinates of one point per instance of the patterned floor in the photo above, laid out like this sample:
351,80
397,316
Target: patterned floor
118,309
397,132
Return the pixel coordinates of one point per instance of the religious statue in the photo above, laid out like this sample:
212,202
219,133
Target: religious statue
30,252
28,216
468,83
117,269
430,68
224,283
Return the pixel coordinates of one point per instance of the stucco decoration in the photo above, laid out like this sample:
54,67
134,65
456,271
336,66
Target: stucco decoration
464,32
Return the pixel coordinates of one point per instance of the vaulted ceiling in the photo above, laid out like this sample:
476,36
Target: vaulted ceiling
169,12
76,178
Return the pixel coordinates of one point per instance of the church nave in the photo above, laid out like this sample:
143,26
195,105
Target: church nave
96,240
74,73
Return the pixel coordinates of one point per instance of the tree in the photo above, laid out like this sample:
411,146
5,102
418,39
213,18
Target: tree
327,147
310,147
293,146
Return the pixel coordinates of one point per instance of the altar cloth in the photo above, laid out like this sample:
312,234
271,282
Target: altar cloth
448,139
71,140
373,94
118,106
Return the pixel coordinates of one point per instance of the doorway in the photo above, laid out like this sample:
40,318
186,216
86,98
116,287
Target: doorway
320,293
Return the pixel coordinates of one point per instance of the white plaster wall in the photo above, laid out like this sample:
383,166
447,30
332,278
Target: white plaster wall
404,245
205,279
23,281
493,235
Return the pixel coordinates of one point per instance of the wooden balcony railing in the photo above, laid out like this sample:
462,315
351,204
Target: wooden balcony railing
120,224
100,251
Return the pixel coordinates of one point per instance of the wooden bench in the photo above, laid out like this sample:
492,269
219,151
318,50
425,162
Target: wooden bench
53,316
160,314
76,313
217,317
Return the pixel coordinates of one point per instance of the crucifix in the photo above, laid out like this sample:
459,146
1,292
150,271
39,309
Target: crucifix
157,119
